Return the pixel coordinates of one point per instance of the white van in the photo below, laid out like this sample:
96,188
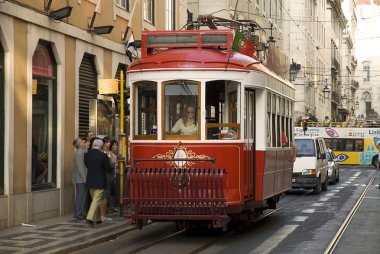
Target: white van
310,170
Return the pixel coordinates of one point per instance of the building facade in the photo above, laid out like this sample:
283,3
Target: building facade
350,83
308,37
49,72
368,54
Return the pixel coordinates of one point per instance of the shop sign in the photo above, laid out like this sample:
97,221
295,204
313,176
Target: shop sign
108,86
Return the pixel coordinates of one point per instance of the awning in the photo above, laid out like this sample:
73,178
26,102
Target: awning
43,64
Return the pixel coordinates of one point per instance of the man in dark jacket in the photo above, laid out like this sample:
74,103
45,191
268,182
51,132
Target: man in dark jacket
97,165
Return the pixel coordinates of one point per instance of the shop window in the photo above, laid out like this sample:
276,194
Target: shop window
223,97
146,110
44,118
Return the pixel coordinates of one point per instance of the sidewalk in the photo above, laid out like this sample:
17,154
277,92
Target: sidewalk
62,234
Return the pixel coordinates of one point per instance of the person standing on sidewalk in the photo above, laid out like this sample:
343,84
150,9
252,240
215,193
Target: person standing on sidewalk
115,189
89,136
98,165
110,178
79,178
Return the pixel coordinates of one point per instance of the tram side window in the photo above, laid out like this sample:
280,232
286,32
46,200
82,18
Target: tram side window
145,110
181,109
290,121
268,118
279,124
273,124
222,110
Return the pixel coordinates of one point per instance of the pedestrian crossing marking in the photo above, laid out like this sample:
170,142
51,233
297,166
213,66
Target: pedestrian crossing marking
300,218
272,242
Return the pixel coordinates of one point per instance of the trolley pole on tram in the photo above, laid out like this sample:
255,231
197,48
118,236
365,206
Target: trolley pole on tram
123,157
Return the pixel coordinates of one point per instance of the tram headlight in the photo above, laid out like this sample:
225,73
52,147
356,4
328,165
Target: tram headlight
309,172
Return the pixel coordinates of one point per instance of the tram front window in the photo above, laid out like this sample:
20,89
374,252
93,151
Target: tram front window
181,114
222,110
146,110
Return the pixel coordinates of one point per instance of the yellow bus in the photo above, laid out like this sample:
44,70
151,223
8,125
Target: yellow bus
355,146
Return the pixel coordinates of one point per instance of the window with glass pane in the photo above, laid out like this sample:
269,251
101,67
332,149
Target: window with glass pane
145,110
222,97
149,11
273,123
123,4
269,96
44,133
44,118
170,14
181,109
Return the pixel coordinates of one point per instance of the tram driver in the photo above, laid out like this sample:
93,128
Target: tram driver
186,125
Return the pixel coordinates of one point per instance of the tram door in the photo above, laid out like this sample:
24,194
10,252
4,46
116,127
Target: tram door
249,142
102,111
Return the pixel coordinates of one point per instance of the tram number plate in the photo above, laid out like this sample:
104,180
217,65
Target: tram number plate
293,180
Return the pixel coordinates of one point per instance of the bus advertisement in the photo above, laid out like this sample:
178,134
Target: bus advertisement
353,146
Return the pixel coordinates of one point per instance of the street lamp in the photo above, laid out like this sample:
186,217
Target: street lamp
326,91
294,68
98,29
357,103
103,29
60,13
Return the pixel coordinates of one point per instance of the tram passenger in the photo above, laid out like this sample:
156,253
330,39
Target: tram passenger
285,143
187,124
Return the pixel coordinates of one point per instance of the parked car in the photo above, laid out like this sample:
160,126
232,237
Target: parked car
310,170
333,164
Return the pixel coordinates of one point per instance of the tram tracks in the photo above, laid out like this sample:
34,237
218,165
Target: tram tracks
219,238
265,215
334,242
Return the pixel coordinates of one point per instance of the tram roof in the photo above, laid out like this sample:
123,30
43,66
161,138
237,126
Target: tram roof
193,58
194,50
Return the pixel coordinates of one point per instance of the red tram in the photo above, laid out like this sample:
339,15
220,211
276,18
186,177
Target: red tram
207,130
